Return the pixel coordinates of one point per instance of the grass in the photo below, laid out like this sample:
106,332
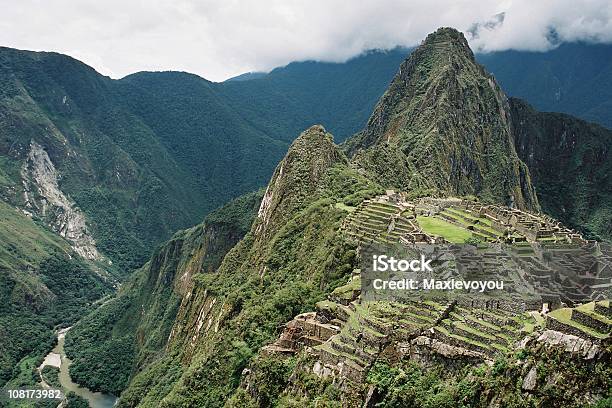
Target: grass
479,223
326,305
499,347
346,291
347,208
589,309
348,358
461,338
484,323
564,315
538,318
473,330
446,230
23,243
363,311
436,305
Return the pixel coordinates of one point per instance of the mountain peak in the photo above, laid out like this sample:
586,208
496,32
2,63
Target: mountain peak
446,34
445,46
314,134
297,177
450,122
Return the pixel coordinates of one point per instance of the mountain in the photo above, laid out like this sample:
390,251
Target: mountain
295,222
95,173
130,331
279,320
340,96
571,78
451,121
130,161
570,164
177,146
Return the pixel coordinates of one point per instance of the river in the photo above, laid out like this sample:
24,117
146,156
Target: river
57,358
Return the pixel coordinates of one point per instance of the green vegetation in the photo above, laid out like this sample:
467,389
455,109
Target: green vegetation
573,185
101,361
76,401
50,375
347,292
297,247
133,154
154,152
527,75
410,385
345,207
446,230
43,285
564,315
421,140
104,345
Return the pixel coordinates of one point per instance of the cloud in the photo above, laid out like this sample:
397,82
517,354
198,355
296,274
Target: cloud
218,39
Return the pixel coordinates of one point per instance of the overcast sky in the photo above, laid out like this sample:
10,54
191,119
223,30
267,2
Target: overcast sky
222,38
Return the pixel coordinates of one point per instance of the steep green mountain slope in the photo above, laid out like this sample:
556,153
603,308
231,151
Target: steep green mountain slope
225,314
340,96
206,349
98,181
206,135
290,258
116,166
137,161
130,331
570,164
444,124
43,284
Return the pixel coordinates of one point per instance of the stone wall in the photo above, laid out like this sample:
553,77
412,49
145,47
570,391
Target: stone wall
589,321
554,324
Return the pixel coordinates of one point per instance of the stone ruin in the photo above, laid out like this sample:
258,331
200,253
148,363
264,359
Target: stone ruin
347,336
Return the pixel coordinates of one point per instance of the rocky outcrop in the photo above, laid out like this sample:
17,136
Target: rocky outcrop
297,178
427,351
530,380
587,349
43,197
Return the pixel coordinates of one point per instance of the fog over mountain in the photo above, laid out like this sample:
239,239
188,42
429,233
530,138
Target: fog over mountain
224,39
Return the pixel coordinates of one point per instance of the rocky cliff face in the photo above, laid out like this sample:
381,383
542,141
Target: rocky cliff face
132,330
43,197
297,181
570,164
451,123
289,259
